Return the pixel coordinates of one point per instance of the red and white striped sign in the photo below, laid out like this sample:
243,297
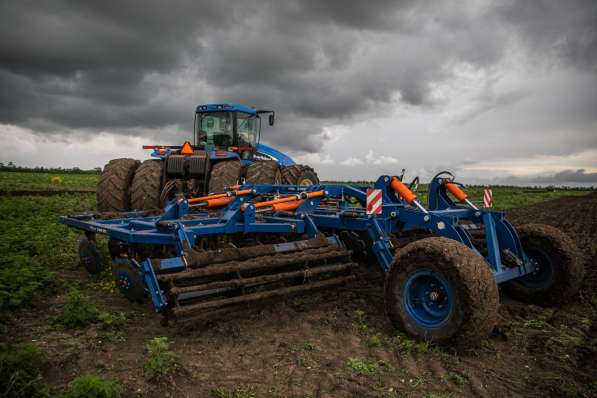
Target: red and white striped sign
374,201
487,198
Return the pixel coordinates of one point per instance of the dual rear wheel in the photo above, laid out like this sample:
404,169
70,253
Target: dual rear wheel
127,184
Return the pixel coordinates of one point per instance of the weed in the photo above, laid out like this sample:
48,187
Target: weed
160,362
365,367
417,381
104,281
404,343
242,391
457,378
308,346
78,311
359,321
374,341
303,303
423,347
56,180
19,371
436,395
92,386
112,322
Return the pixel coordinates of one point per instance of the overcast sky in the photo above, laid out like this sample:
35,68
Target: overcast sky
498,92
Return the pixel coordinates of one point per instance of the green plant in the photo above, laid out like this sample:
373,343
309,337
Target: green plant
78,311
374,341
457,378
20,278
92,386
365,367
19,371
160,362
112,322
242,391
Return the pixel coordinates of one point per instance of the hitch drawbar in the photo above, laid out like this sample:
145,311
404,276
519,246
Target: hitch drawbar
213,254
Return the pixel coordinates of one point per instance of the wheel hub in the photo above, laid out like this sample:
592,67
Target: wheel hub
428,298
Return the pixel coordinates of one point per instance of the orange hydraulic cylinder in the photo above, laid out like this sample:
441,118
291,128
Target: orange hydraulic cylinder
304,195
287,206
403,190
219,195
218,202
456,191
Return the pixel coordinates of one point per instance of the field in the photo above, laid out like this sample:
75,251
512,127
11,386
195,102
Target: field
57,323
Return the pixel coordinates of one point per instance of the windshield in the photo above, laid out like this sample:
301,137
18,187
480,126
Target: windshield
214,128
246,127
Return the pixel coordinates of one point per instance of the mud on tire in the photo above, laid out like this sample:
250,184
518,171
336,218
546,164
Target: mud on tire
560,271
263,172
112,192
439,290
299,174
147,185
223,174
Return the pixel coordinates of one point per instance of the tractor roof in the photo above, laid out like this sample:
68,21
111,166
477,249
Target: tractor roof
226,108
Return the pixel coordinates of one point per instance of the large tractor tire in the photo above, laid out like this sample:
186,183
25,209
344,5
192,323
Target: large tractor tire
263,172
224,174
113,187
559,272
147,185
439,290
299,174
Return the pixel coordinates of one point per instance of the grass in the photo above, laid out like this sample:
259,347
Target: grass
20,374
241,391
14,180
365,367
92,386
160,361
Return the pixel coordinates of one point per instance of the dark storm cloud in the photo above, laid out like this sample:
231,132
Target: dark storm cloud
579,176
95,65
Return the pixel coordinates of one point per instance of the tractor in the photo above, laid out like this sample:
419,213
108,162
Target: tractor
226,150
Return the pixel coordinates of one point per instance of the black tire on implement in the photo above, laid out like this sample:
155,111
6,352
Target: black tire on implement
223,174
561,271
263,172
147,185
299,174
473,309
112,192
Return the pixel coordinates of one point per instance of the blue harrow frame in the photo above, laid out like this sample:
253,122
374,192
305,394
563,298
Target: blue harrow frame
175,228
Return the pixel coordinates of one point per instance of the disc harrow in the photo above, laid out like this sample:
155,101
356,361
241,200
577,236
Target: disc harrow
208,255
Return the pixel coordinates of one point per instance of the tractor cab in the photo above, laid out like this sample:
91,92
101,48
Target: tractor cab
229,127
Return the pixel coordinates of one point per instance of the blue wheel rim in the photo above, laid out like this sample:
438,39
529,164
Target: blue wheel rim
543,274
124,281
428,298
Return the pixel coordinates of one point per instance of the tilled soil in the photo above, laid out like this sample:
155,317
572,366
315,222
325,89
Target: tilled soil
302,347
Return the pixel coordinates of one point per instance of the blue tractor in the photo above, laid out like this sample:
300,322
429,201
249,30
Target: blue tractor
226,151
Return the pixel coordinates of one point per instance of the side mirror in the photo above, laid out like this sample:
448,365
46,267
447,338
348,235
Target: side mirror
271,119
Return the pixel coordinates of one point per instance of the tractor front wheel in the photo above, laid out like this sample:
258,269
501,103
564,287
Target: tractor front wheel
112,191
224,174
558,272
299,174
439,290
263,172
147,185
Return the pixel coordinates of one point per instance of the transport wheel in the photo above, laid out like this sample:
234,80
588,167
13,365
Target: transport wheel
147,185
113,186
224,174
439,290
263,172
91,258
299,174
558,273
128,279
